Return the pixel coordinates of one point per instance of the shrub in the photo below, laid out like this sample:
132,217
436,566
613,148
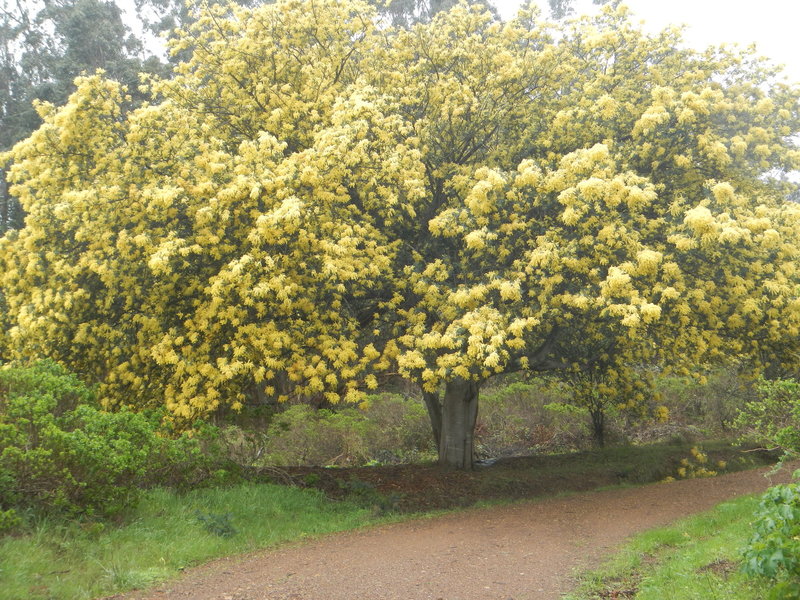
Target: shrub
774,419
522,417
399,429
57,450
711,405
390,428
302,435
60,452
774,548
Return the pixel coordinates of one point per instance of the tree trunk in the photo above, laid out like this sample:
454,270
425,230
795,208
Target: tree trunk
11,213
598,426
459,412
434,406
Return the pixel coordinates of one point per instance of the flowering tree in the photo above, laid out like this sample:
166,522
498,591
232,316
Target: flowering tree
299,215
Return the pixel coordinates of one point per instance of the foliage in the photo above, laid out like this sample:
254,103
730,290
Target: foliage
295,217
217,523
60,452
602,387
44,45
774,418
774,548
710,402
389,429
696,466
526,417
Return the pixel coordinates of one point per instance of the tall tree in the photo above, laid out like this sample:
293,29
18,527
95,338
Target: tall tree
43,47
297,215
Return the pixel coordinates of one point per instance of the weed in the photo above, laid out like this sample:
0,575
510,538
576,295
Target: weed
367,495
219,524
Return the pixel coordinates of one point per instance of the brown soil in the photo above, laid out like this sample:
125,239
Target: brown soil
420,488
525,551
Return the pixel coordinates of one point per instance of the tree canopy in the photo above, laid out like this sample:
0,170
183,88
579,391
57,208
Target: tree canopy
44,45
318,201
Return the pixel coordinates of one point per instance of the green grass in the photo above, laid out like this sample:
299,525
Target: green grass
697,558
163,535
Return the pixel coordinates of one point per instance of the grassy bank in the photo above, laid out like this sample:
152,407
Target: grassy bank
697,558
166,533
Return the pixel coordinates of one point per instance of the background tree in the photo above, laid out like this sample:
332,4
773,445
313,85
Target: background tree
561,9
405,13
297,216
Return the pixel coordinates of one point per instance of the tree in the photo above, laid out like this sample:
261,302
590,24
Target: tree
561,9
43,47
296,216
405,13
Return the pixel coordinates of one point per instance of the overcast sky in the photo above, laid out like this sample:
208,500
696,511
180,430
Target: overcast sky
774,25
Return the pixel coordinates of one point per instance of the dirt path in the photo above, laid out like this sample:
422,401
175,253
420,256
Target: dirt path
521,552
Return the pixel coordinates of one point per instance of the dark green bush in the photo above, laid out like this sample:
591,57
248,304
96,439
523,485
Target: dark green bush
774,548
774,419
60,452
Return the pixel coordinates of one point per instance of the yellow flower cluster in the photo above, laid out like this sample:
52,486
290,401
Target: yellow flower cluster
295,215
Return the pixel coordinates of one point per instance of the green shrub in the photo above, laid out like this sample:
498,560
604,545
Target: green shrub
60,452
389,429
774,548
521,417
9,520
774,419
398,430
302,435
709,405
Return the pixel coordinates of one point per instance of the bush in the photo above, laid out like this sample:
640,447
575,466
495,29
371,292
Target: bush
60,452
399,429
390,428
302,435
774,419
774,549
708,407
532,416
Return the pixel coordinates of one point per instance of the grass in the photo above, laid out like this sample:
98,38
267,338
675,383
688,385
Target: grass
697,558
163,535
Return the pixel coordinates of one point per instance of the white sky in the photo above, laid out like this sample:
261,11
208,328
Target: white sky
774,25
